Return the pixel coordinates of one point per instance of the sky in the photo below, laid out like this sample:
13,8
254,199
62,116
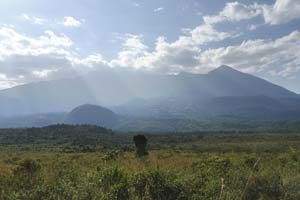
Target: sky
44,40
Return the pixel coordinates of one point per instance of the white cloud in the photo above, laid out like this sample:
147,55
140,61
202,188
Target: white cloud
134,42
71,21
206,33
67,20
90,61
133,49
286,72
34,19
6,82
234,11
168,56
25,59
256,55
159,9
43,73
272,57
282,11
13,42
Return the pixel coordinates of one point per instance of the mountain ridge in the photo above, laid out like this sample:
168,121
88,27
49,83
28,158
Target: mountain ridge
181,94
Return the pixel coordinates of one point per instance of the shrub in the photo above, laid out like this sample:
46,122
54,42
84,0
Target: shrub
113,183
26,182
162,187
27,167
140,142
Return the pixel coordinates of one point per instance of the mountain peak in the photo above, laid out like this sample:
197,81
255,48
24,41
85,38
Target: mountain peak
224,69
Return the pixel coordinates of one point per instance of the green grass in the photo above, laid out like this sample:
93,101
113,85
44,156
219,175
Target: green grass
178,175
221,166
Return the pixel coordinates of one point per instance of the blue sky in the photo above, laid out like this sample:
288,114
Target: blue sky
42,40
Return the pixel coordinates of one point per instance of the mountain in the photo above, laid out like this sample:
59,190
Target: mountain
93,115
106,87
221,92
226,81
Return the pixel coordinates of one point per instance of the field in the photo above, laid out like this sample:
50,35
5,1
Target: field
83,162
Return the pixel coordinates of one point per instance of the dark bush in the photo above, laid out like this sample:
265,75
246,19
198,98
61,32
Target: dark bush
140,142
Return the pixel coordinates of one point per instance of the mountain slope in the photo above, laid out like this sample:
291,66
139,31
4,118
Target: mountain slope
168,94
225,81
229,82
50,96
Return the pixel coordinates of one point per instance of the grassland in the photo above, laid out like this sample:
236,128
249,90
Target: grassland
231,166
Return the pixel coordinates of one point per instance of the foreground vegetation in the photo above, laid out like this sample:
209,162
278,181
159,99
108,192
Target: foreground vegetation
43,164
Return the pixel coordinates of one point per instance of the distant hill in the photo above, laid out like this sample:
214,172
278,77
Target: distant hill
92,115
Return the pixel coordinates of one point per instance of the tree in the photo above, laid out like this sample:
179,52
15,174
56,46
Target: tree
140,142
